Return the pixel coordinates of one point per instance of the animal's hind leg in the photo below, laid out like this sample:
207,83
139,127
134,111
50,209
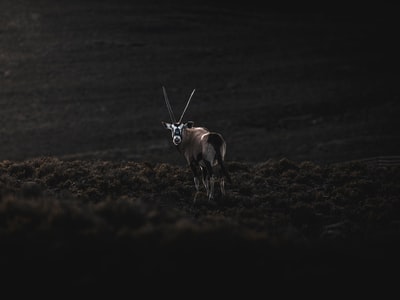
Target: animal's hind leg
211,180
221,182
205,179
222,186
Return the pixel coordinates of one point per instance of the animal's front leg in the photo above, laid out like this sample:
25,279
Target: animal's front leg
195,172
212,181
196,183
196,180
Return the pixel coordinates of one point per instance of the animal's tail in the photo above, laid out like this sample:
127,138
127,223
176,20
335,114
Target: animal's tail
223,170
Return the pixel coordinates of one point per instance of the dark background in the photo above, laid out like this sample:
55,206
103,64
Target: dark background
82,79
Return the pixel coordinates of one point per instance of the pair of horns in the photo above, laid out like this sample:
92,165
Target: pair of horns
171,113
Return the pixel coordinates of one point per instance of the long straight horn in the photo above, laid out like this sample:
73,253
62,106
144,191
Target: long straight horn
171,113
187,104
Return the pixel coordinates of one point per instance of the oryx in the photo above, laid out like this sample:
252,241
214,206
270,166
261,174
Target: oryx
201,148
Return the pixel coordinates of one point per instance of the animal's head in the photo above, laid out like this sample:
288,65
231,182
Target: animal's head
177,128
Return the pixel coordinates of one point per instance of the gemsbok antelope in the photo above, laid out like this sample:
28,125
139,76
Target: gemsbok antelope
202,149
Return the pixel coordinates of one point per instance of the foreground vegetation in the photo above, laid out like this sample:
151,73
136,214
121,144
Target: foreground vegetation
90,222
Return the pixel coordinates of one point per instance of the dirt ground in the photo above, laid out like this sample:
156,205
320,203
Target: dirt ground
93,195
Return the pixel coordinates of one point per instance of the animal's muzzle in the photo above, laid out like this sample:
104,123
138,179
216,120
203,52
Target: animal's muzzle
176,140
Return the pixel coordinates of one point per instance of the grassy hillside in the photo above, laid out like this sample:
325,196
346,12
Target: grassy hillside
82,79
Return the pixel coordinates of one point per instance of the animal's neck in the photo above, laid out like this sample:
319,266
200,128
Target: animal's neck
186,137
190,138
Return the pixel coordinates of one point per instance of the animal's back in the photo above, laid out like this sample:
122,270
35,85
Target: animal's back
192,142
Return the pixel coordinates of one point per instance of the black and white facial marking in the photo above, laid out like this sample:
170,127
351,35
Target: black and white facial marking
177,131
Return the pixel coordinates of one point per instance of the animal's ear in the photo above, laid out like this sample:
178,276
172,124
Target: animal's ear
189,124
166,125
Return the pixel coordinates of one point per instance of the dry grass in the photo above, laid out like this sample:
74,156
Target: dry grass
101,223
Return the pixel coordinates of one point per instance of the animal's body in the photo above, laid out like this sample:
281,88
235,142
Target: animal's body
202,149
